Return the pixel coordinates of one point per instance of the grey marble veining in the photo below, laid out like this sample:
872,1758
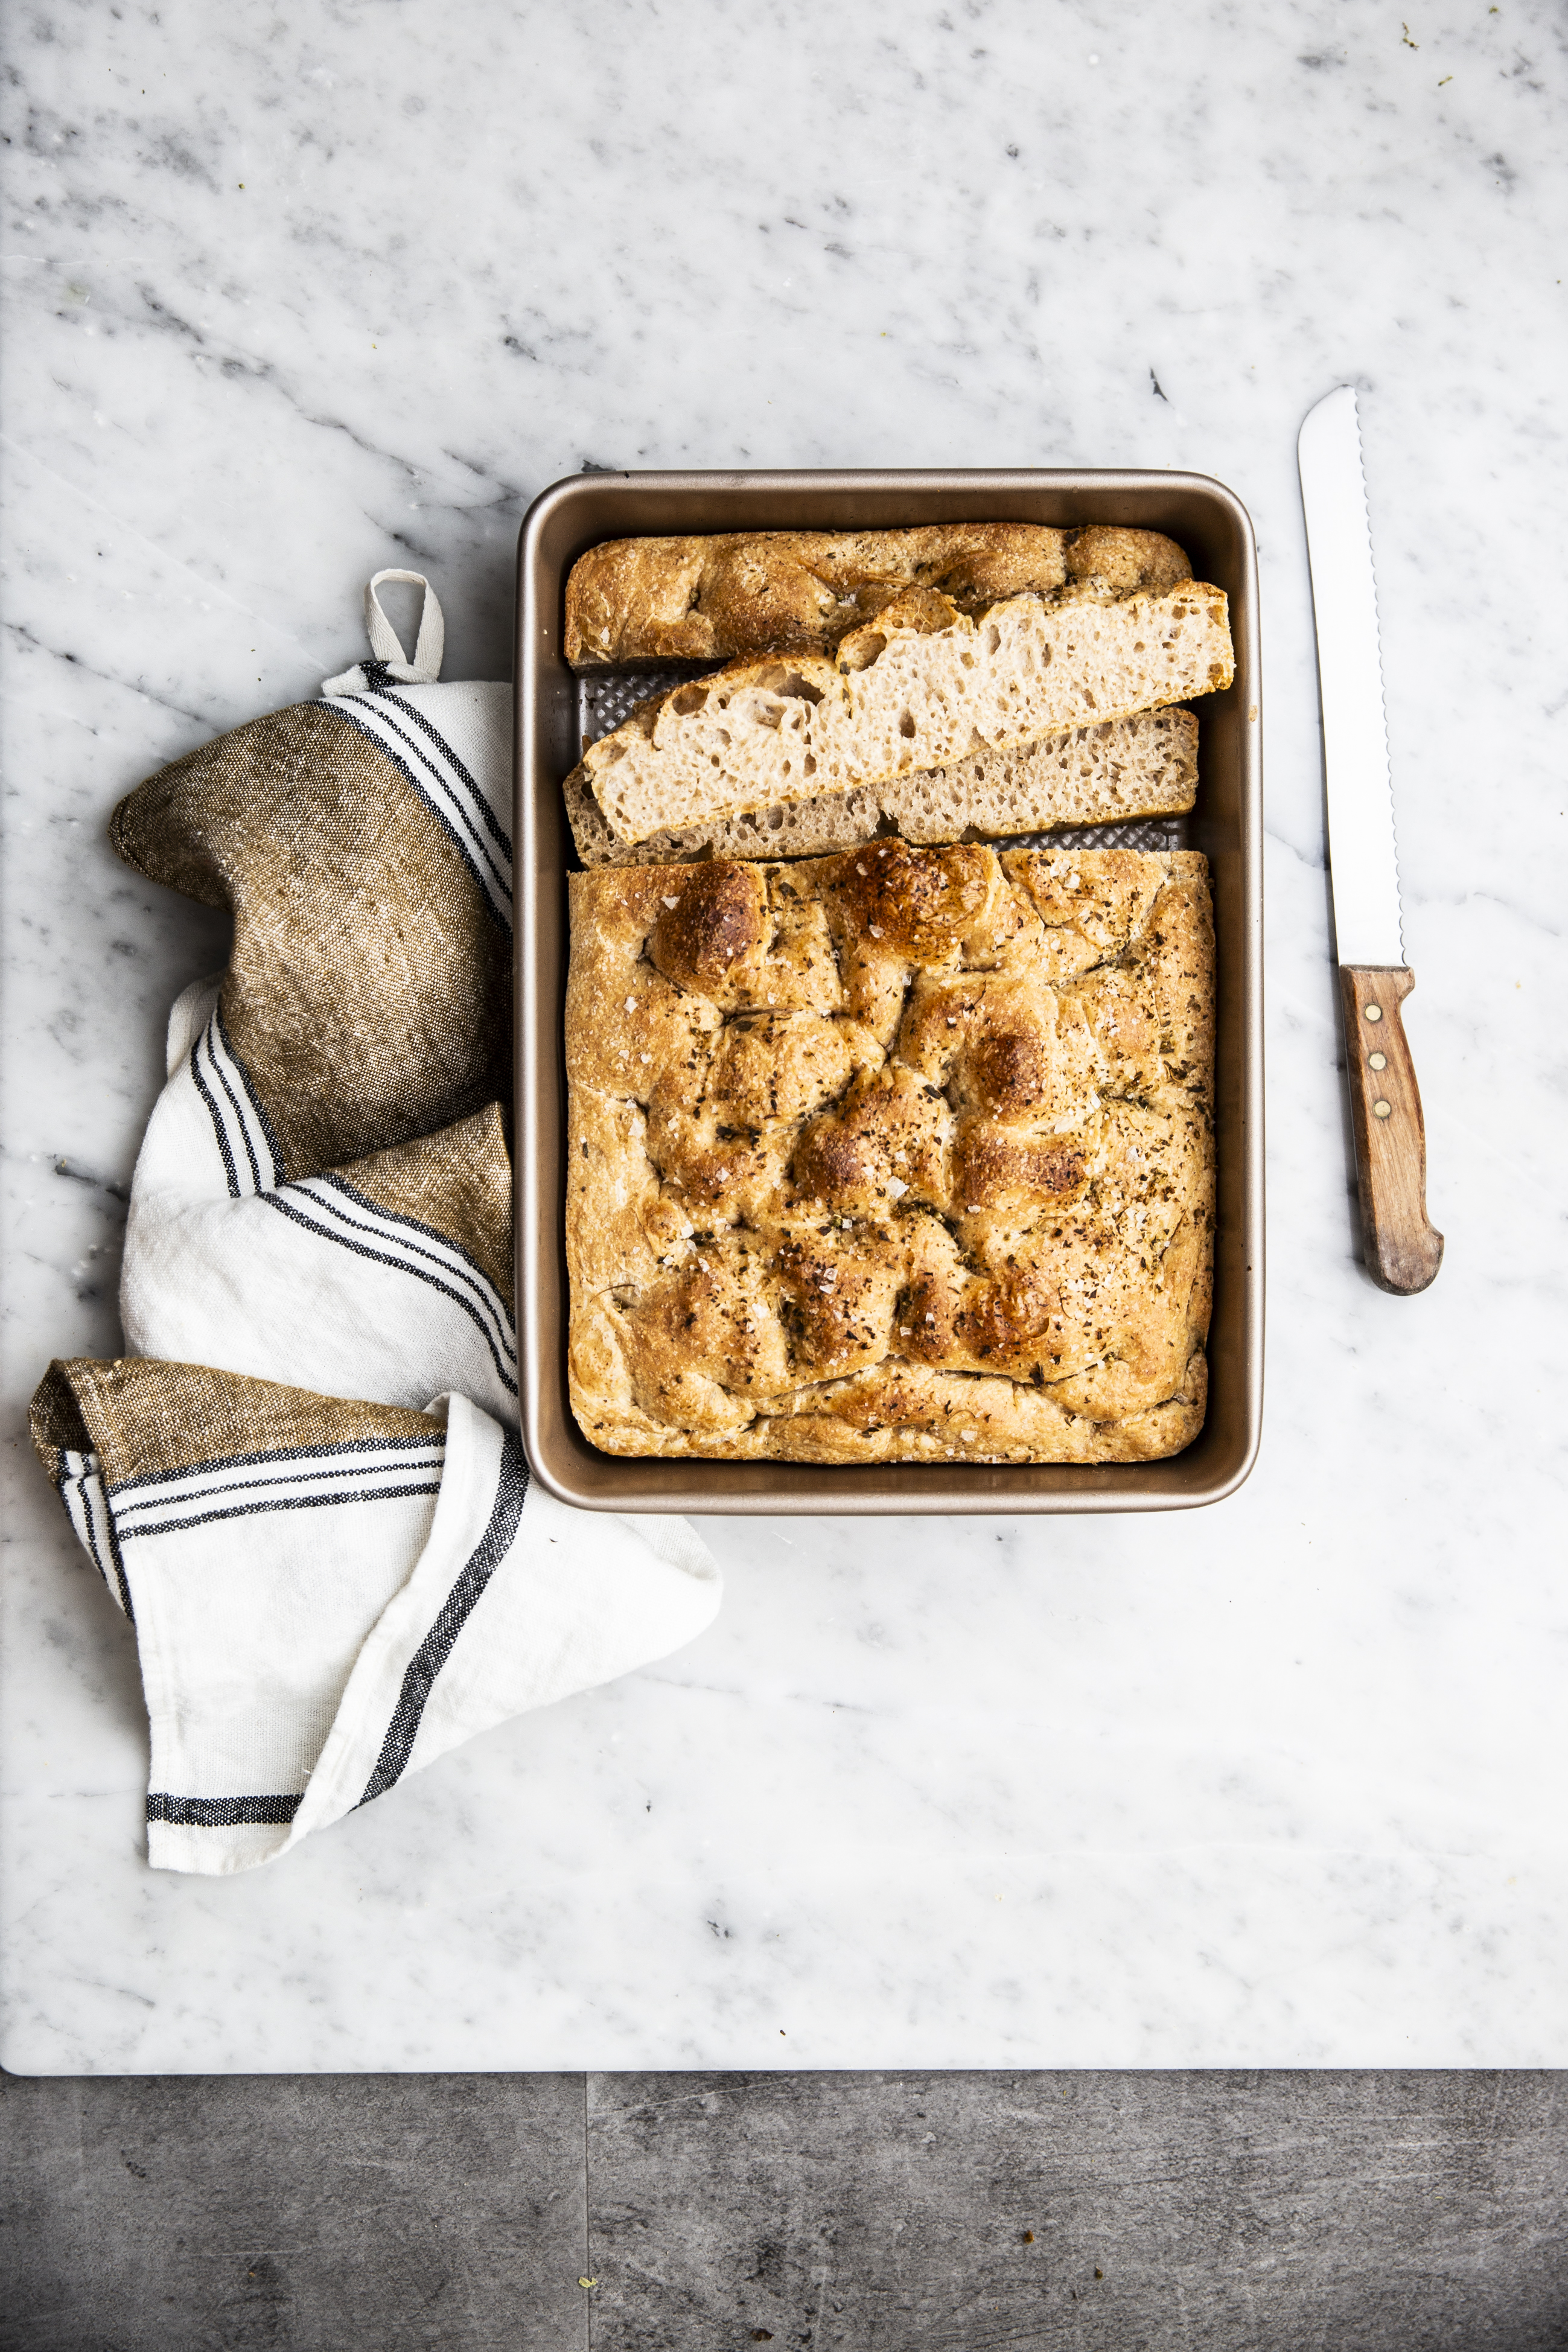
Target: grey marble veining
1281,1783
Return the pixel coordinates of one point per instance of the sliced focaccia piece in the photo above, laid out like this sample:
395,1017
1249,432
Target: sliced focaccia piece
1145,766
712,598
925,686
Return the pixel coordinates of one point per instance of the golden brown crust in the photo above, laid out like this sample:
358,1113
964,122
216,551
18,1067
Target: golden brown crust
740,593
897,1155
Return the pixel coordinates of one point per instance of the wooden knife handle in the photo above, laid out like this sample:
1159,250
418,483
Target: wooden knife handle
1404,1251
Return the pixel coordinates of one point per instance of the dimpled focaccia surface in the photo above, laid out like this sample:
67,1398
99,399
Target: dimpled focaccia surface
904,1154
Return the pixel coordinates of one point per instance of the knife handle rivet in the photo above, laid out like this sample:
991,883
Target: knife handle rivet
1378,1061
1374,1012
1382,1110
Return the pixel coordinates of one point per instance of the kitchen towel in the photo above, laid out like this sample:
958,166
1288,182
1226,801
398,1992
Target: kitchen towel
333,1580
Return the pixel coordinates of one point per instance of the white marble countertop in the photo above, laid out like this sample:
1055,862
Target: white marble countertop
1281,1783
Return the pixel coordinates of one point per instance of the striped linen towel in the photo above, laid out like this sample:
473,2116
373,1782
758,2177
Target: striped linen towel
304,1487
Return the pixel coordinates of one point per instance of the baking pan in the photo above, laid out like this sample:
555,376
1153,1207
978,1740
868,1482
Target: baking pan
1212,526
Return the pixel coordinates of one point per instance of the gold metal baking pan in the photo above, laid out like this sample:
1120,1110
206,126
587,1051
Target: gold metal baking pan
1211,523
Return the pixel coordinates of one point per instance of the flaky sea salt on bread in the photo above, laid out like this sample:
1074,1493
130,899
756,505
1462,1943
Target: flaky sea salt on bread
923,685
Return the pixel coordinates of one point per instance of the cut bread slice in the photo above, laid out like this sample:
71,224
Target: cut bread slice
715,598
923,687
1140,767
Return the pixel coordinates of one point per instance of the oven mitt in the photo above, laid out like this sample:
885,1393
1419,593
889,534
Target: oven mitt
323,1195
324,1200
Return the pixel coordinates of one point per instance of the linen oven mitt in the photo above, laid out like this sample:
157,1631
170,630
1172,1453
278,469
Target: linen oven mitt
328,1591
323,1195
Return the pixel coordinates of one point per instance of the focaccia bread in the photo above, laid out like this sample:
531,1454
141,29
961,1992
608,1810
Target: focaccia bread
710,599
1140,767
905,1154
924,686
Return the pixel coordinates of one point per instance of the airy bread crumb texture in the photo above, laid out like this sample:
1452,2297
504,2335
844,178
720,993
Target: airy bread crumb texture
735,593
924,686
905,1154
1143,766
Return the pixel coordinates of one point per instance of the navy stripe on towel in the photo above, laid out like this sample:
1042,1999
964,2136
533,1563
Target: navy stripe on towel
220,1812
438,1643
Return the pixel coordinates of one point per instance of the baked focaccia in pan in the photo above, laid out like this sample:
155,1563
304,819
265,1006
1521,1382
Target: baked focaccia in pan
905,1154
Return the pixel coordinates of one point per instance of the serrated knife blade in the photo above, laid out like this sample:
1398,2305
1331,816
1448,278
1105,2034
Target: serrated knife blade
1402,1250
1361,858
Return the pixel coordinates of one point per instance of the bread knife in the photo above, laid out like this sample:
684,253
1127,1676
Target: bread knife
1402,1250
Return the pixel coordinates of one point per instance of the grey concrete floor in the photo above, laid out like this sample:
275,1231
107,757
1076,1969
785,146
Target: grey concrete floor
878,2213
